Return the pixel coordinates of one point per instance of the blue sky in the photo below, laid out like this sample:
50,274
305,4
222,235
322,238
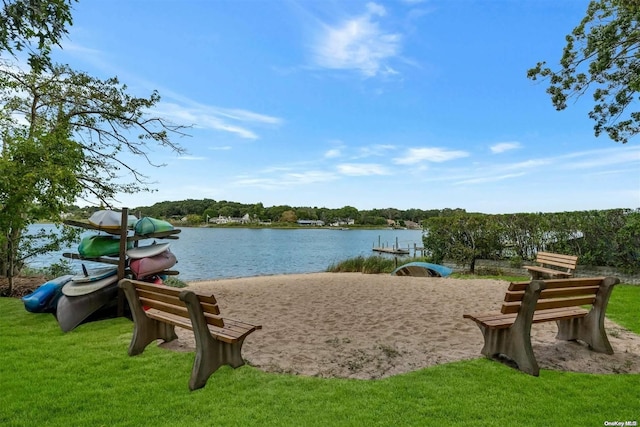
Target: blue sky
405,104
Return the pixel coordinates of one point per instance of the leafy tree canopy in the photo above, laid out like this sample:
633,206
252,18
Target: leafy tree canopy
601,56
39,24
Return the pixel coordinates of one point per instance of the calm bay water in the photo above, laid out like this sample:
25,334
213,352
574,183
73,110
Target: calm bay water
211,253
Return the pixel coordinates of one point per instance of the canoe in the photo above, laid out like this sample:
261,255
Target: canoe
144,267
73,310
148,225
94,275
147,251
96,245
74,288
422,269
110,220
45,298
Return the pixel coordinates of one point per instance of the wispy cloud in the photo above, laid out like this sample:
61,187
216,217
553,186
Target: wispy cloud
429,154
235,121
333,153
362,169
181,109
376,150
501,147
285,180
358,44
191,158
484,179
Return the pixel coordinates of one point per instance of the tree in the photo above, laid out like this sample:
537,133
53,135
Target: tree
464,238
23,21
602,54
288,216
37,178
65,135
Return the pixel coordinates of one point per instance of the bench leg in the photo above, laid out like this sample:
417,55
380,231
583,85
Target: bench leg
145,330
210,355
536,275
590,329
513,343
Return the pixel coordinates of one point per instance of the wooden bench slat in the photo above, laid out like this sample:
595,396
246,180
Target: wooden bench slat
570,260
548,270
180,309
560,283
500,320
232,330
223,334
168,290
511,296
513,307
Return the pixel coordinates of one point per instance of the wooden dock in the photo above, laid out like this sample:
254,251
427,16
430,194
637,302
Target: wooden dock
395,249
392,250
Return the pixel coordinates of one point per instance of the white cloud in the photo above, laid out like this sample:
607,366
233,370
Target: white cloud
362,169
333,153
190,158
429,154
233,121
481,180
358,44
504,146
286,180
375,150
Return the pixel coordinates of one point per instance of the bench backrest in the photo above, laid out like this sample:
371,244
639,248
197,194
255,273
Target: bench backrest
558,293
170,300
567,262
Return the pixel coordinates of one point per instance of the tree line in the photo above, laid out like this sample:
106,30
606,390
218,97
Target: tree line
597,237
198,211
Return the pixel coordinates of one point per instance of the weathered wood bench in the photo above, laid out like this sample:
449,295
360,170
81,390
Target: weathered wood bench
157,309
508,332
552,266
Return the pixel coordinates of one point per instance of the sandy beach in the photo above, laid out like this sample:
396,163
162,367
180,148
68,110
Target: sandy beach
353,325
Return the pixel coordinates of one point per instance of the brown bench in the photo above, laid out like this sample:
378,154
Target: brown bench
157,309
553,266
508,332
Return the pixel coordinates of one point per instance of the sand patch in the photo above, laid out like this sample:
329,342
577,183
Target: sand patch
354,325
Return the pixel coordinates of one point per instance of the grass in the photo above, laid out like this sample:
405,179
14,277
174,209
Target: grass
368,265
85,377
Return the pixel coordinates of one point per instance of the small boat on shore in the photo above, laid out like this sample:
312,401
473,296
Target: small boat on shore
422,269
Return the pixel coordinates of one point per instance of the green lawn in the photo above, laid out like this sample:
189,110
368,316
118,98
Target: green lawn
85,378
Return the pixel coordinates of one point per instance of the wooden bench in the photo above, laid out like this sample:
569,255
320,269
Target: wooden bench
157,309
552,266
508,332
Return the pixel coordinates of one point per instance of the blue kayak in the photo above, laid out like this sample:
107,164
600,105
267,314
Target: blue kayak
45,298
422,269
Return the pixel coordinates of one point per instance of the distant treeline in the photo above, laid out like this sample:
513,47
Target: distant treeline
197,211
600,238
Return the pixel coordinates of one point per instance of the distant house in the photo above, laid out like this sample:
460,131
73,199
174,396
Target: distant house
412,225
310,222
231,220
343,222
